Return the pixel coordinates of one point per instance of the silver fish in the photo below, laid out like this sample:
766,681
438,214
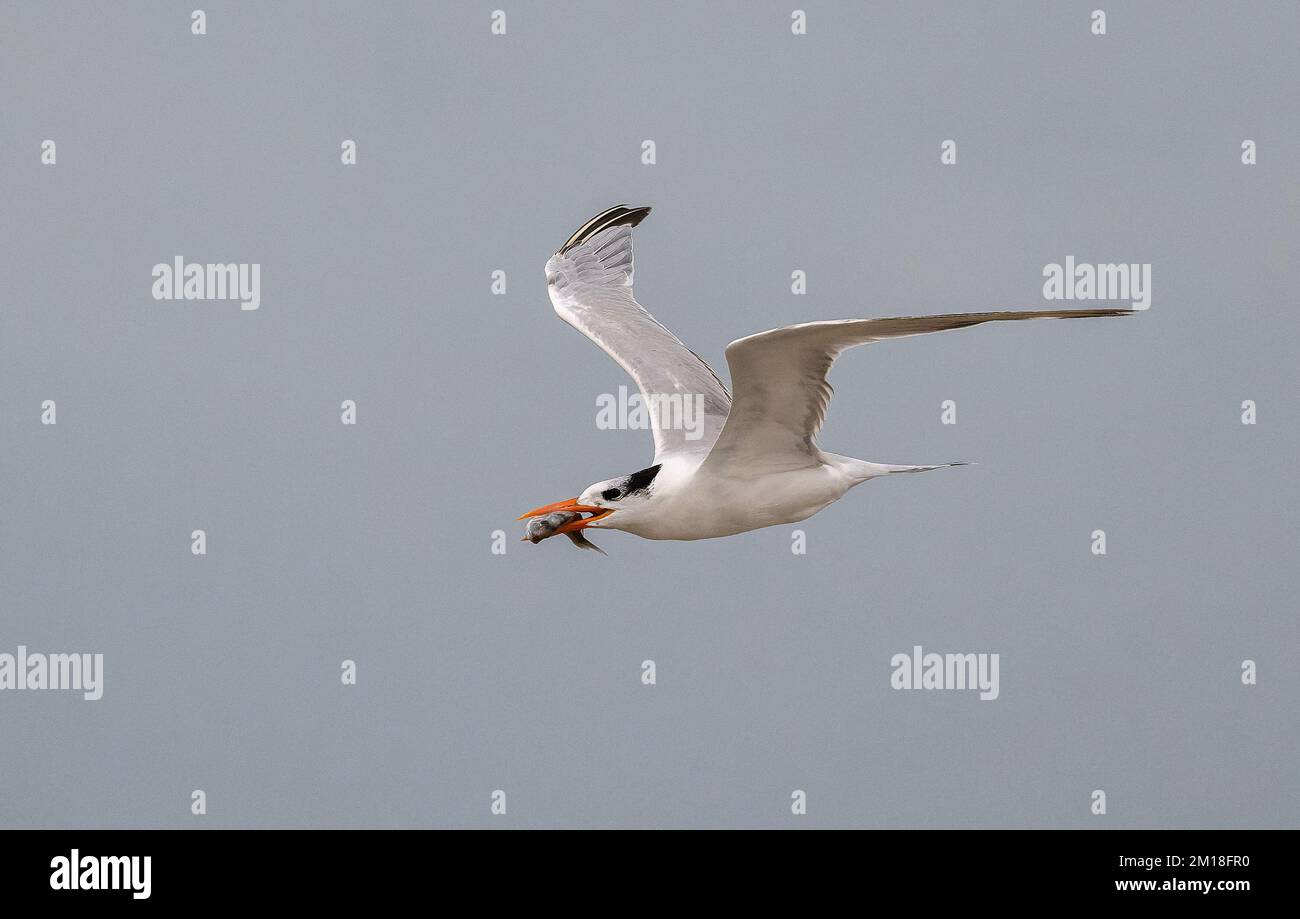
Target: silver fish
544,527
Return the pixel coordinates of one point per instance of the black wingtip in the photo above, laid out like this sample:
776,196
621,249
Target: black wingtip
635,215
618,216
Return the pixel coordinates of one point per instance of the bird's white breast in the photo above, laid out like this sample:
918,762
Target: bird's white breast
705,507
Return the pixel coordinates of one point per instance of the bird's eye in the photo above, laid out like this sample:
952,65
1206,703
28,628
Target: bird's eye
610,494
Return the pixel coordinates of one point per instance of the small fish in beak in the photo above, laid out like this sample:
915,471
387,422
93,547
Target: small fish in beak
549,525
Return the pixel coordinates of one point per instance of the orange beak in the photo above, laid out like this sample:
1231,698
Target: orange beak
571,505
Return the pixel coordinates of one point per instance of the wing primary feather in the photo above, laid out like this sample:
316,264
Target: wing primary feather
581,233
616,216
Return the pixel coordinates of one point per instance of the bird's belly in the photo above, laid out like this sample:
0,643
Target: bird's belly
725,507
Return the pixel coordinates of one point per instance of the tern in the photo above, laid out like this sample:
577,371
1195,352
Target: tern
753,461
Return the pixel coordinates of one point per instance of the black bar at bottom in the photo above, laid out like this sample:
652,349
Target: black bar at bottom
335,868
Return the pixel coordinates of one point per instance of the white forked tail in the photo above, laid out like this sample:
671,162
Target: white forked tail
861,470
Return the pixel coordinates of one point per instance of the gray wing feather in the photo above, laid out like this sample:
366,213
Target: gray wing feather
780,386
590,284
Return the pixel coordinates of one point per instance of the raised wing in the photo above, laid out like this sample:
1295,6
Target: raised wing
781,392
590,283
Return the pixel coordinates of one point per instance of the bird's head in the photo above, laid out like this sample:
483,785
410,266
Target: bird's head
611,504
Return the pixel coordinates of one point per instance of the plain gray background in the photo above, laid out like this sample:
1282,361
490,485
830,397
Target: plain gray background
521,672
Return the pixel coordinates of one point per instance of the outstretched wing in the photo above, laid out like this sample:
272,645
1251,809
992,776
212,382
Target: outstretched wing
781,392
590,283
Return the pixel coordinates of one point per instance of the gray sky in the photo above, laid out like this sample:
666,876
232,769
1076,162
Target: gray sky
522,672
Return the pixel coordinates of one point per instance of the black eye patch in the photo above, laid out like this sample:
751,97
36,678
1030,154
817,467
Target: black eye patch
639,481
609,494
